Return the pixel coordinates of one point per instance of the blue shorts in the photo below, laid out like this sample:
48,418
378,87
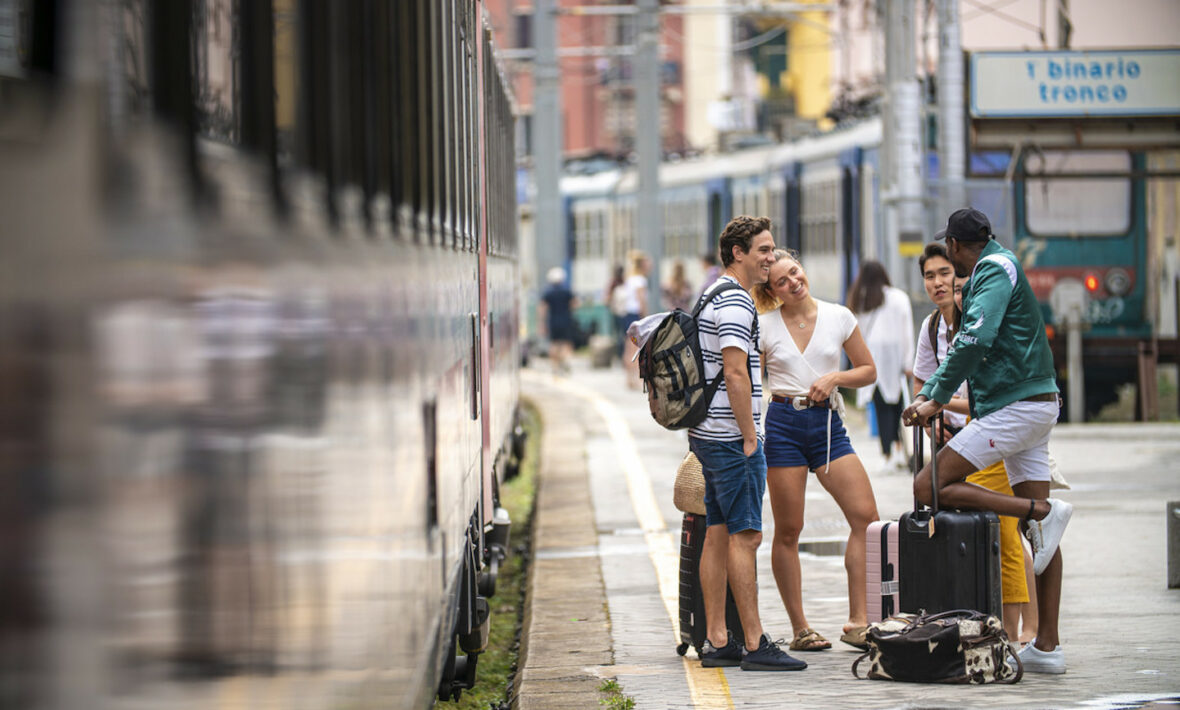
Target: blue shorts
734,483
799,437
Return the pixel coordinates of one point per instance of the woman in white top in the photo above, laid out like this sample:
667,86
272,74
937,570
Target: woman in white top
887,322
634,307
801,341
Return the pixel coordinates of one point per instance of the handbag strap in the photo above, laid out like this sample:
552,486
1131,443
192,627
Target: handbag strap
857,663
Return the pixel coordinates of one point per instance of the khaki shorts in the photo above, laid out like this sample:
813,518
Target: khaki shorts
1017,434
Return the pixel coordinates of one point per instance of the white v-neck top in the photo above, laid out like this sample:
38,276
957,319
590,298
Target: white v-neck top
790,372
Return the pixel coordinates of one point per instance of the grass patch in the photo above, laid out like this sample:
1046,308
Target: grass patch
613,697
497,664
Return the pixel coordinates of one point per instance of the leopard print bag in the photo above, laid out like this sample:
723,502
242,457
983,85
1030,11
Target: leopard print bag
960,646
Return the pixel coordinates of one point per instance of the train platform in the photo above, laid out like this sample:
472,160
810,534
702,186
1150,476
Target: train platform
602,601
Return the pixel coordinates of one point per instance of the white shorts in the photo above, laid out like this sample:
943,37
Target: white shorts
1017,434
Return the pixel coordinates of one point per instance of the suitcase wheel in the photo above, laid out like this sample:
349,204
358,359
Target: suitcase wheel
682,649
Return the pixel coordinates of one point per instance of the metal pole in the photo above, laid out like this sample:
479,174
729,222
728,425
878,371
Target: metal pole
647,143
547,146
951,142
903,139
1073,358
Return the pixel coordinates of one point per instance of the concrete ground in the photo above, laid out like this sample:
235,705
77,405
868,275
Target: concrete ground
603,594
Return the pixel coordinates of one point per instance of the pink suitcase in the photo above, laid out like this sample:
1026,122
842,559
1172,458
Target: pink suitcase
881,583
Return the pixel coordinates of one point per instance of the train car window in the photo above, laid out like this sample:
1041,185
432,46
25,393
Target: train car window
449,130
286,80
1078,206
423,71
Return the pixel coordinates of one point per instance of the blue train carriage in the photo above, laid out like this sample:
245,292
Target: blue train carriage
1089,229
826,190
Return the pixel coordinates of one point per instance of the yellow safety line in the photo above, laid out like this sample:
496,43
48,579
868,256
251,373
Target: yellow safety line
707,687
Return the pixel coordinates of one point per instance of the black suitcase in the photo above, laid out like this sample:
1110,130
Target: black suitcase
693,629
948,559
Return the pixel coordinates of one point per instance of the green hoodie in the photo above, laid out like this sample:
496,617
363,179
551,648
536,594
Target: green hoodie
1001,348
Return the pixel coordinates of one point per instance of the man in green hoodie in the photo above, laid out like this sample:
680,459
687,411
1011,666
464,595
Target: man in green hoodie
1003,353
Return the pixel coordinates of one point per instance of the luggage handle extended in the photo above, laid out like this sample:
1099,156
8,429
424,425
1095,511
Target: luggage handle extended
936,427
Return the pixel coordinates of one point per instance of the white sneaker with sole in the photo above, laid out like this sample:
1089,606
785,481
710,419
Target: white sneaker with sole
1045,535
1035,660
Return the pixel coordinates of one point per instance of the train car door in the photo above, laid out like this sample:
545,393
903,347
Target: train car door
850,228
719,201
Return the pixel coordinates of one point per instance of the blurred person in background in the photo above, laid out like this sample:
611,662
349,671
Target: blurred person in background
711,269
634,303
616,301
677,290
558,304
886,321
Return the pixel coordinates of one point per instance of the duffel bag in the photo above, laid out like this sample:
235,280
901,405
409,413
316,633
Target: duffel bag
960,646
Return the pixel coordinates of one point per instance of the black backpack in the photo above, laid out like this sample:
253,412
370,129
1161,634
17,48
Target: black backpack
673,370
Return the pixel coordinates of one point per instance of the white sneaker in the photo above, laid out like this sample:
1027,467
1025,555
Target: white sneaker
1045,535
1035,660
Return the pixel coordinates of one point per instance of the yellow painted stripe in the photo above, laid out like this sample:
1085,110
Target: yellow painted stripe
707,686
911,248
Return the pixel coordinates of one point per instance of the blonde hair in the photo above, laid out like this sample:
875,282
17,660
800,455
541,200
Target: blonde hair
636,259
764,299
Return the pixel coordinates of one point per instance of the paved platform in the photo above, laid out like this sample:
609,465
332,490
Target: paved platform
602,601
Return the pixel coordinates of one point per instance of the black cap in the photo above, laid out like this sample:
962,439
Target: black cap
940,235
968,225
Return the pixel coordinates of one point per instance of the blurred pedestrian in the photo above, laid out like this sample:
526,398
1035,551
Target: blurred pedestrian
886,321
802,339
1003,353
558,305
616,300
711,269
677,290
634,302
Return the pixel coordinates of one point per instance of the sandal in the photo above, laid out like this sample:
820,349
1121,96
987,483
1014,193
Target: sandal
809,640
856,637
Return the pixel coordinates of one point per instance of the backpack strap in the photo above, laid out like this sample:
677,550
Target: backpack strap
932,333
704,300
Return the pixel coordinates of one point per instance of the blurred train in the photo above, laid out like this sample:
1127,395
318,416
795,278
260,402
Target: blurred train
258,352
1079,215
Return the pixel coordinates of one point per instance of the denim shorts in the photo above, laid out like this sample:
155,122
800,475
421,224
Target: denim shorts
734,483
799,437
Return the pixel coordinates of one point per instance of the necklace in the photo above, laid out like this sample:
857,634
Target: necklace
802,325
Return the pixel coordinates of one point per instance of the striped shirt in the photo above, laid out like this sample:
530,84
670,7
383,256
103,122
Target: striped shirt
730,320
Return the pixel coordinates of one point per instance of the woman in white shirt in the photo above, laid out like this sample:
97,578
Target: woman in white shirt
801,342
887,322
634,308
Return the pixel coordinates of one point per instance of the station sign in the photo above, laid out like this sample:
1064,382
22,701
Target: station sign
1075,84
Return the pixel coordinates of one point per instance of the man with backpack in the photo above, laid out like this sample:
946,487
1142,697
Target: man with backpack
731,456
1002,351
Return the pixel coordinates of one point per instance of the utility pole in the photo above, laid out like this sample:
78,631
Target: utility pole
951,140
646,71
904,231
547,142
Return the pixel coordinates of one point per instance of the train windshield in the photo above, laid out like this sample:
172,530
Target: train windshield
1082,206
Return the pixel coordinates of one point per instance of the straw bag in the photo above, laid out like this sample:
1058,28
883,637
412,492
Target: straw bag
688,493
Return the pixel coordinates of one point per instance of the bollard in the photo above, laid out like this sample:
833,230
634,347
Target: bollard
1173,544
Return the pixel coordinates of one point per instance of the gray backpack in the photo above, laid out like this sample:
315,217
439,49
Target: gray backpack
673,370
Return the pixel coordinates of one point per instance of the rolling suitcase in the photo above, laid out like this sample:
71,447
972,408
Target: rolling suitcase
881,583
949,559
692,604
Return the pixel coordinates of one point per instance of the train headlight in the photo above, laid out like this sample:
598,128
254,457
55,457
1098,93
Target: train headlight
1118,282
1091,282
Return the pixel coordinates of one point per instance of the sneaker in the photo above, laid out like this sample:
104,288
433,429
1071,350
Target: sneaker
769,657
728,655
1035,660
1045,535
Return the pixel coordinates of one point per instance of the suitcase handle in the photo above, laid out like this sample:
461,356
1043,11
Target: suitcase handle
936,426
